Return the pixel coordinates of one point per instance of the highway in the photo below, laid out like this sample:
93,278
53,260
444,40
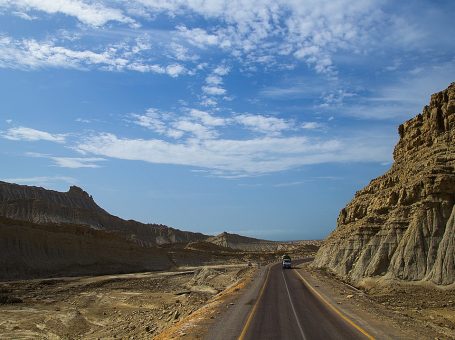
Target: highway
289,309
285,306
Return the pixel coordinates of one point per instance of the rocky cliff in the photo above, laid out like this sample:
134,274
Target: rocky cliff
38,205
402,225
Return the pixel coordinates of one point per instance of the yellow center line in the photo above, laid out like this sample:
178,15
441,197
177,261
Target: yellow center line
333,308
253,311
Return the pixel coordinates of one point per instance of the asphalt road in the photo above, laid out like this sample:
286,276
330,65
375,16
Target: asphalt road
281,304
287,308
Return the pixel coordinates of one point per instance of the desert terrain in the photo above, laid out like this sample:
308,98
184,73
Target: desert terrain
125,306
134,305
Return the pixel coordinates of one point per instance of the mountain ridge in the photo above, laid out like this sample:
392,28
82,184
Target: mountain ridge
76,206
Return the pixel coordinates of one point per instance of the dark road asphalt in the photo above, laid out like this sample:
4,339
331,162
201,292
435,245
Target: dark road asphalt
289,309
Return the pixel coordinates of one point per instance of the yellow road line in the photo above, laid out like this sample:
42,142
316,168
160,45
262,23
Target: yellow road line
336,310
253,311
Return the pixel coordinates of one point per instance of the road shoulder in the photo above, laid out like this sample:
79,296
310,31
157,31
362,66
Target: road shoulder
356,305
224,315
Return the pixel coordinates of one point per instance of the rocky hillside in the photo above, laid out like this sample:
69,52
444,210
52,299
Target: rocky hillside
402,225
38,205
29,250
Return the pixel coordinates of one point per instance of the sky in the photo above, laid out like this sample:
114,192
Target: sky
261,118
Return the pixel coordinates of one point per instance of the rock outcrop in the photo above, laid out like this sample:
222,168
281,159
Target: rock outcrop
402,225
38,205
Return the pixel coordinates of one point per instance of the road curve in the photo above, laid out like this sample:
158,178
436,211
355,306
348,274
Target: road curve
288,308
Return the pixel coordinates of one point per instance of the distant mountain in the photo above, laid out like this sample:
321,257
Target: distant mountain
244,243
41,206
402,224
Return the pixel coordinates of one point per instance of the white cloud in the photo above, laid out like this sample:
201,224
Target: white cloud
206,101
214,81
221,70
207,118
202,124
258,32
336,97
224,157
77,162
153,119
198,130
264,32
182,53
175,70
263,124
70,162
197,36
196,123
214,90
83,120
312,125
91,13
31,135
24,16
33,54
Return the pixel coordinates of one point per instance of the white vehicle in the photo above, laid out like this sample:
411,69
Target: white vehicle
287,263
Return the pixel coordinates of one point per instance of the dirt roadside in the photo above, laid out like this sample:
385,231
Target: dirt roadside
396,310
128,306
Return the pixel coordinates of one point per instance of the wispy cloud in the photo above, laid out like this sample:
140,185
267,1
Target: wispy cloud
279,33
32,135
226,157
194,123
70,162
198,36
312,125
289,184
44,181
93,13
268,125
214,82
33,54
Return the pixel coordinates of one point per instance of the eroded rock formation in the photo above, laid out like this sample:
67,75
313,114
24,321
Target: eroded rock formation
402,225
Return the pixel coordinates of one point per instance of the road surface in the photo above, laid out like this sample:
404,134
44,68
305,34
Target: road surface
285,306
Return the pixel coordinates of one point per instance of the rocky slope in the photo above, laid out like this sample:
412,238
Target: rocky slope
38,205
29,250
402,225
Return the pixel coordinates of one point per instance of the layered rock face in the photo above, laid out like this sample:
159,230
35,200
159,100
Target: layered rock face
402,225
29,250
38,205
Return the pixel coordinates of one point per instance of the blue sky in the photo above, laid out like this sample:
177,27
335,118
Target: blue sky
256,117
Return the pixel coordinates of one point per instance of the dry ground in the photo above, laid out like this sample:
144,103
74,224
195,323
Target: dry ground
128,306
